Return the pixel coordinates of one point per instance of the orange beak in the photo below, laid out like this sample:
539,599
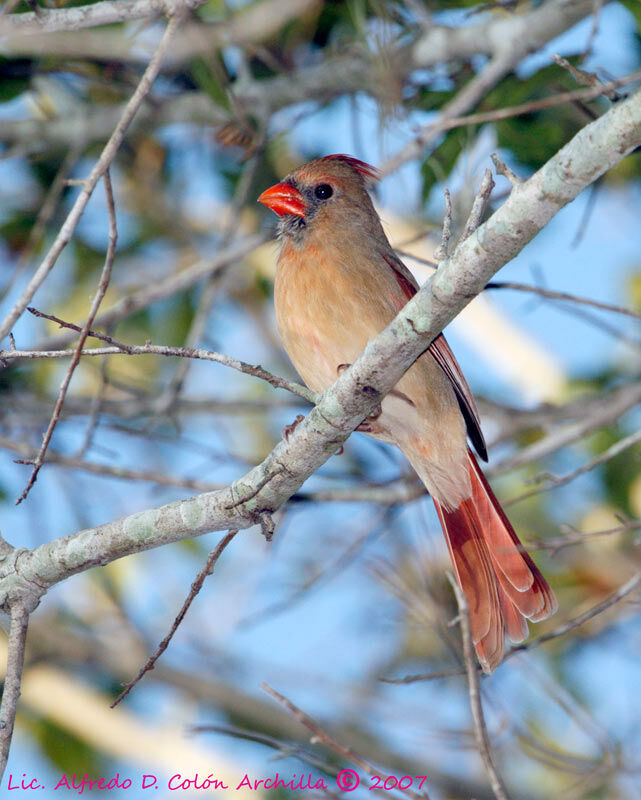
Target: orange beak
283,198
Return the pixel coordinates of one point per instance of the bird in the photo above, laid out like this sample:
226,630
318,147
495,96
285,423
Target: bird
338,284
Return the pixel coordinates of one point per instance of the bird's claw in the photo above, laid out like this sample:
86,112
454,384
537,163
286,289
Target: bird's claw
289,429
367,425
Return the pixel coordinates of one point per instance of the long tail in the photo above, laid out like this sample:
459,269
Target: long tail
501,582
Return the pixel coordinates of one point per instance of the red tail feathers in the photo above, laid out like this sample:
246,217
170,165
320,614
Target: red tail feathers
501,582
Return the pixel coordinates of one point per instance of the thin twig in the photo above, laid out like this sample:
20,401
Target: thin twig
581,619
481,117
210,290
478,206
581,76
119,348
285,749
106,157
573,537
13,679
550,294
554,295
107,470
155,291
426,676
559,631
75,360
321,734
95,409
480,728
605,410
503,169
468,97
562,480
441,251
195,588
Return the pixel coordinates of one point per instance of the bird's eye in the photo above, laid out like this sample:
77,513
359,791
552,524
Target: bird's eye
323,191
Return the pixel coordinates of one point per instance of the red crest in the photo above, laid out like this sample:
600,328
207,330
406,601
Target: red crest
366,171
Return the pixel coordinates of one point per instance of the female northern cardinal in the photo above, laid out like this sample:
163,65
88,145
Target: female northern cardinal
338,284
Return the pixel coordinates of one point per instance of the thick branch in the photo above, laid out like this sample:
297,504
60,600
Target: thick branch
342,74
52,31
360,388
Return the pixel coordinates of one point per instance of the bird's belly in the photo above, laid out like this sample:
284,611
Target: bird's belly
324,322
318,354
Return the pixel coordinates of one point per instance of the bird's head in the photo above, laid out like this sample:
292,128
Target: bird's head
330,191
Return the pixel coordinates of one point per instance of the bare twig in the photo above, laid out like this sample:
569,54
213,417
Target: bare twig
195,588
427,676
107,470
503,169
120,348
441,251
284,749
13,679
587,94
321,735
581,76
551,294
469,96
581,619
446,123
573,537
75,360
107,12
596,416
478,206
559,631
480,729
169,286
210,289
106,157
95,409
602,458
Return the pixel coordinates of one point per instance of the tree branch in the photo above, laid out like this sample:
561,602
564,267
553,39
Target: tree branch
360,388
103,284
12,681
341,74
107,12
106,157
474,690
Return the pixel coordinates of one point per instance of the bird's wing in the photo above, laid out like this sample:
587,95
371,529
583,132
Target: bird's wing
440,351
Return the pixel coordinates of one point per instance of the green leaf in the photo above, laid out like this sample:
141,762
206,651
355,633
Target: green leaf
206,79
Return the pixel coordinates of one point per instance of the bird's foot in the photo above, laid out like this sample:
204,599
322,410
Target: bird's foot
289,429
366,425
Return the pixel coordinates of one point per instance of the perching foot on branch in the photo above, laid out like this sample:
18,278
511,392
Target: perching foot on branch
366,425
289,429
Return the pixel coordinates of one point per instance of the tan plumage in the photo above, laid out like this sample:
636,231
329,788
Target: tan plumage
338,284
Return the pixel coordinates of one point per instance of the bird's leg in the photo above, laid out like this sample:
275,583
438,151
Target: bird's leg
366,425
289,429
